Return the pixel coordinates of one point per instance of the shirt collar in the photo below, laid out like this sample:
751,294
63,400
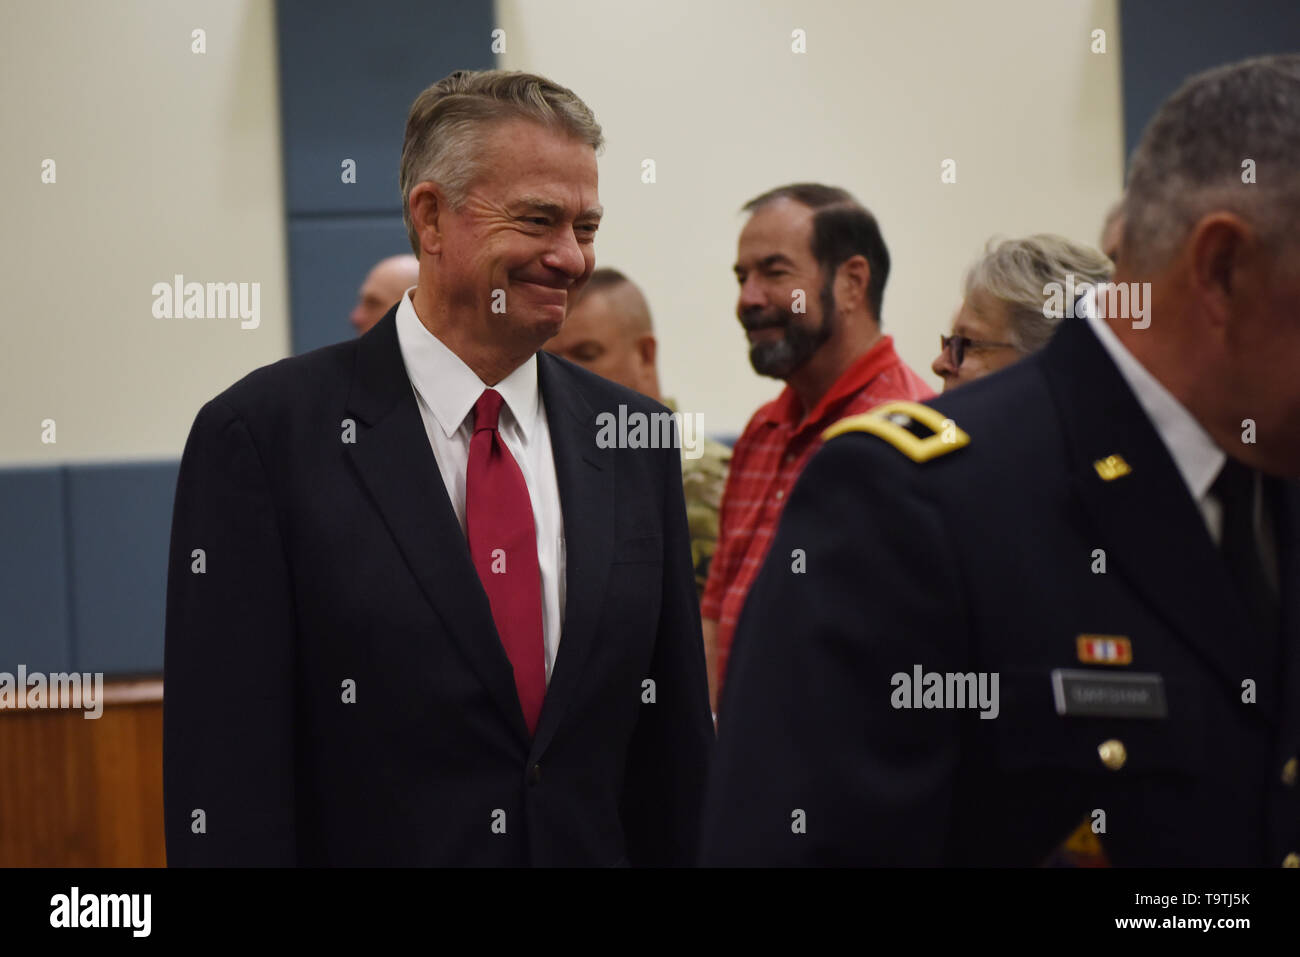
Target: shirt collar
1198,459
787,408
448,386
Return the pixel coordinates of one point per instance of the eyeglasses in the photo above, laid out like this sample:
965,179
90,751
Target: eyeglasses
956,346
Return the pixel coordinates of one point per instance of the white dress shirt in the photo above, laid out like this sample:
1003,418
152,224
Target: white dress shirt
1197,457
446,390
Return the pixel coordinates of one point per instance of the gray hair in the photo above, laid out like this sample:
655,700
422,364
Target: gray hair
445,126
1191,157
1015,272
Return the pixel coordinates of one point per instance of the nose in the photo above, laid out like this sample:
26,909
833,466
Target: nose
942,366
752,296
566,256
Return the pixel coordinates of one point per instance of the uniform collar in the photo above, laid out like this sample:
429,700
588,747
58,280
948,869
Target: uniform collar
787,408
1195,454
448,386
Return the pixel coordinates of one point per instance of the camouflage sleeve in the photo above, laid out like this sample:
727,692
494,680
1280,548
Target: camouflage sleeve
703,480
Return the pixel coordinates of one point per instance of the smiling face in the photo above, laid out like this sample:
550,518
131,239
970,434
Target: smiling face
774,262
507,265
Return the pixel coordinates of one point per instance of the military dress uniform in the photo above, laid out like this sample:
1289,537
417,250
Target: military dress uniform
1034,526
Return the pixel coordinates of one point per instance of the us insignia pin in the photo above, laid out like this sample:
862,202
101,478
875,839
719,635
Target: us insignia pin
1104,649
1112,467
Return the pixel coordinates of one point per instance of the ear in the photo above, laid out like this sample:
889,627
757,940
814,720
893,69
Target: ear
428,208
852,279
646,349
1222,247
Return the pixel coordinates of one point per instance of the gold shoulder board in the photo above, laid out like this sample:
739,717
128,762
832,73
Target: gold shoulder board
916,430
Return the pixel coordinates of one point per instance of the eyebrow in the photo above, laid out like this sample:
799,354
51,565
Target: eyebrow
767,261
537,204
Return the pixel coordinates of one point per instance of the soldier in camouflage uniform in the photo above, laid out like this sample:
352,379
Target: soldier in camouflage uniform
703,480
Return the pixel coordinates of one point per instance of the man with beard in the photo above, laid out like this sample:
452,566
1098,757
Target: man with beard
812,266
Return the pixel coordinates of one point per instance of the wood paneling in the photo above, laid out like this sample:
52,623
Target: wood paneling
78,792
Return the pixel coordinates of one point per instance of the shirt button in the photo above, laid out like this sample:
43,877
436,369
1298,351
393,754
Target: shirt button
1291,860
789,458
779,495
535,775
1290,772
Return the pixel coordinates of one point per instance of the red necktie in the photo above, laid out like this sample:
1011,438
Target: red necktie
503,546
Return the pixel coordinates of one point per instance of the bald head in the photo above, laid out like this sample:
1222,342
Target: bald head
382,289
609,331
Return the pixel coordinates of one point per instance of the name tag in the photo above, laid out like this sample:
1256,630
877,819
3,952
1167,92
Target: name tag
1090,694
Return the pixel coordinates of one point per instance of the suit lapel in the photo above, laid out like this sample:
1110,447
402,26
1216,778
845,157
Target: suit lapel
396,463
1146,520
586,483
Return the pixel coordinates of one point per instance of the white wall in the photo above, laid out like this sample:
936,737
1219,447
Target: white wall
167,162
887,90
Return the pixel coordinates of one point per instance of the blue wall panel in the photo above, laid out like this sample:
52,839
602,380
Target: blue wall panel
328,261
34,626
1166,41
120,516
348,74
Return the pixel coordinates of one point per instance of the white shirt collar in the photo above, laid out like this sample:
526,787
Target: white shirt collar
1198,459
448,386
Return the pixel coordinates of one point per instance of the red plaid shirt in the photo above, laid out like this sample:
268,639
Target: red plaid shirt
768,457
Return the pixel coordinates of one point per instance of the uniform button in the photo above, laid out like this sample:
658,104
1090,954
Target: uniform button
1291,860
534,775
1290,771
1113,753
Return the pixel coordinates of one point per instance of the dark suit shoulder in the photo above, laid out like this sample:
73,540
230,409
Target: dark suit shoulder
603,395
292,381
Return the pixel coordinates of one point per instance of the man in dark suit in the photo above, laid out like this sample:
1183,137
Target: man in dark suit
1054,616
421,610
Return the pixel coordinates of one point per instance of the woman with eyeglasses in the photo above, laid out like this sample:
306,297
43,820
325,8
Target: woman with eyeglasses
1003,317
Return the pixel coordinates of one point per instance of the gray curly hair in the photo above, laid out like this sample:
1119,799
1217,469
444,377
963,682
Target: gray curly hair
1015,272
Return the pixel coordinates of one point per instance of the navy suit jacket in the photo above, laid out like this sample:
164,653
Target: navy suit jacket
995,558
336,692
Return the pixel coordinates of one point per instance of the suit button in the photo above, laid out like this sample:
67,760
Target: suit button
1113,753
535,775
1290,771
1291,860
